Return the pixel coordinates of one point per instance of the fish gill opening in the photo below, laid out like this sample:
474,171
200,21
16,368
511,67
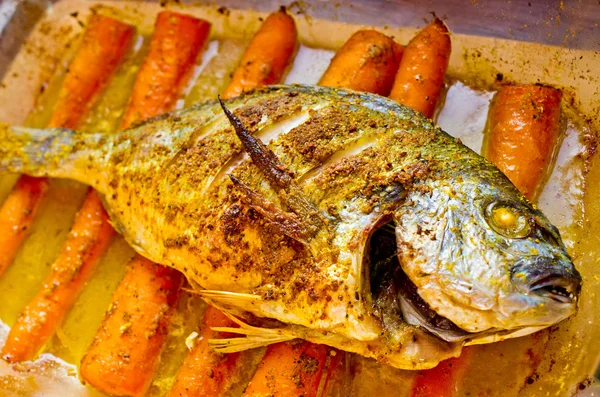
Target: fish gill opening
395,296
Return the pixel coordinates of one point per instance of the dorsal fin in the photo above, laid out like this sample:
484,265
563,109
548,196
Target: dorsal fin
279,178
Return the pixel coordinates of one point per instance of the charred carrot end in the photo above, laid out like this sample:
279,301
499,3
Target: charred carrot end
289,370
420,77
441,381
267,57
105,43
176,43
16,215
125,351
204,372
524,129
368,61
89,237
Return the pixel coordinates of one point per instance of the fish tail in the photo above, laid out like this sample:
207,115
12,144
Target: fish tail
50,152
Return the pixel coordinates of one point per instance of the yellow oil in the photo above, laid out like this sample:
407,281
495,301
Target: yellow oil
500,369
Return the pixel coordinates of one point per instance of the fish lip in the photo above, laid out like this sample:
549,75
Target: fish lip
555,279
557,288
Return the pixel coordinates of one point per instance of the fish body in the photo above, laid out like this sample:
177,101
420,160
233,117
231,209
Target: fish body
271,211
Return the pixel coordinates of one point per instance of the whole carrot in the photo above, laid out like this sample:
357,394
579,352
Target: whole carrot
17,214
104,44
418,84
289,369
442,380
123,355
204,372
368,61
125,351
267,56
88,239
420,77
524,126
522,138
177,41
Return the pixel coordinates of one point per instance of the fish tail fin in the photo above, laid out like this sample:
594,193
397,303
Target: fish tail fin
49,152
251,337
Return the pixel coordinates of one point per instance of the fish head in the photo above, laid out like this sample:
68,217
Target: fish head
480,263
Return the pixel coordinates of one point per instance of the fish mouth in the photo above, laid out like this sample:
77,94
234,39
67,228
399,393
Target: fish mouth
555,280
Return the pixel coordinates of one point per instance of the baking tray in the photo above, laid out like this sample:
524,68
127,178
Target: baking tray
493,42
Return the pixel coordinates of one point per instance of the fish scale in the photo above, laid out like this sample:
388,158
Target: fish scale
259,239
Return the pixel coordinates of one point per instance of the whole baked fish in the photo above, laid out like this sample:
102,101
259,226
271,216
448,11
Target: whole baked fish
323,214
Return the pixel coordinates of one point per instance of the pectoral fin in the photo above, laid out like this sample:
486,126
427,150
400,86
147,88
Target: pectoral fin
253,337
287,223
279,178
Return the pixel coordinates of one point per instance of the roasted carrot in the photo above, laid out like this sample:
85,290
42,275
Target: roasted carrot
270,52
204,372
334,373
420,77
103,47
442,380
522,139
292,369
88,239
368,61
177,41
524,126
267,56
17,214
289,369
418,84
123,355
126,349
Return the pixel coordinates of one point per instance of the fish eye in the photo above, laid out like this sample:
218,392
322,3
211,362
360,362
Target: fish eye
508,220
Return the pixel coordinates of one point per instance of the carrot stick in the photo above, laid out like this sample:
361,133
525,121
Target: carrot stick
126,349
524,128
523,136
368,61
88,239
289,370
204,372
103,47
420,78
177,41
17,214
296,369
267,57
418,84
334,372
442,380
123,355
